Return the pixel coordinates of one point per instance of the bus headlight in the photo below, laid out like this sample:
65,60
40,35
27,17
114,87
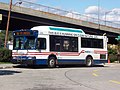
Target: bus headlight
29,57
14,57
33,58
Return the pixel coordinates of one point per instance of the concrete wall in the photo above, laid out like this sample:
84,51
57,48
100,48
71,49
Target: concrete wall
0,18
56,17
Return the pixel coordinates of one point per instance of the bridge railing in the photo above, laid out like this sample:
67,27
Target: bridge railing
70,14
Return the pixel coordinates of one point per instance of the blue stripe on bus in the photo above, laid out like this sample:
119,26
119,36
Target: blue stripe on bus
41,62
100,61
61,61
71,61
66,29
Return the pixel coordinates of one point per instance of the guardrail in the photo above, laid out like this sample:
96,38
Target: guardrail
64,13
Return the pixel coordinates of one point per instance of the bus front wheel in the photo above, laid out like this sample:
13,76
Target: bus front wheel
51,62
89,61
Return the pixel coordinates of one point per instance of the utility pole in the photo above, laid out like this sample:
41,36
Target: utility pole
7,27
99,14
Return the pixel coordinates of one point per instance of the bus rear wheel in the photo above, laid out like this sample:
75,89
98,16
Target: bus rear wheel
51,62
89,61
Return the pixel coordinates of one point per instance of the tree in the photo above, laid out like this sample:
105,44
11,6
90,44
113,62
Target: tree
2,37
118,50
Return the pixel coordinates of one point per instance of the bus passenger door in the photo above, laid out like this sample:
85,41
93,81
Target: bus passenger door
41,45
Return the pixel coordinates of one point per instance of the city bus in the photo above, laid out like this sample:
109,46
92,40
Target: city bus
51,46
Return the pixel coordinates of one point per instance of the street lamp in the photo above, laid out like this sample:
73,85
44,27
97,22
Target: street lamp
18,2
8,22
98,14
106,16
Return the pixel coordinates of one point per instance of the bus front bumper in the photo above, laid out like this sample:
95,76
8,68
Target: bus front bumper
24,60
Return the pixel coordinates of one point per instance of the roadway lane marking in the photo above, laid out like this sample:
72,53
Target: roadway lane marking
113,81
94,74
95,70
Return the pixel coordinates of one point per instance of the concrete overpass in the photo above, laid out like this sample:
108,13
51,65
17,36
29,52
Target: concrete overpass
27,17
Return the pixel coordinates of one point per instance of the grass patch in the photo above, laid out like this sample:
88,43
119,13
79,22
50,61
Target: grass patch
5,63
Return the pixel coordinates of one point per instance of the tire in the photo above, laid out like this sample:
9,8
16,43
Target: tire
89,62
51,62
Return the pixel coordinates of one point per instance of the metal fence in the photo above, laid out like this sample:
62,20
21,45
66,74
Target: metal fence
70,14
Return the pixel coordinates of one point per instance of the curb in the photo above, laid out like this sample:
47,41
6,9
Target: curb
112,64
5,67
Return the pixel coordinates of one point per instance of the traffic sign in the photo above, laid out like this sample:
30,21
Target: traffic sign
118,38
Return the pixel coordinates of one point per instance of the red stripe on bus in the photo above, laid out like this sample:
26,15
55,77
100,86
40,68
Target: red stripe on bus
48,53
100,52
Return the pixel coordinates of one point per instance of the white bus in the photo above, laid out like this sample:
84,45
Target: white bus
49,45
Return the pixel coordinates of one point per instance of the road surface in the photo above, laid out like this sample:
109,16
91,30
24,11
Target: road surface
62,78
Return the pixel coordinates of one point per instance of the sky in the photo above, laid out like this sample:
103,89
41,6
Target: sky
109,9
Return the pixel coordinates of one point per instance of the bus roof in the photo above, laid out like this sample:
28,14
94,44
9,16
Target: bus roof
59,29
62,31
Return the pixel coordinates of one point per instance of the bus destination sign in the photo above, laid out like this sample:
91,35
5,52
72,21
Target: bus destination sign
23,33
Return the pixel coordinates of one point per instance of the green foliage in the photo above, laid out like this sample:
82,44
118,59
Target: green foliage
2,37
112,51
5,55
113,58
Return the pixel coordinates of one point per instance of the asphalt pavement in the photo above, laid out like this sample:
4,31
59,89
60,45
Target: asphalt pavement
63,78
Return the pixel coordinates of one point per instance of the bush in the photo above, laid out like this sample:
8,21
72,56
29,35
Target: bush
5,55
112,51
113,57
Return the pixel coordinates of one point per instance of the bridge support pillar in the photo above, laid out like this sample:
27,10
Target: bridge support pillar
0,18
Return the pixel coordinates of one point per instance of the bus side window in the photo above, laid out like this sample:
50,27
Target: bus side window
42,43
66,45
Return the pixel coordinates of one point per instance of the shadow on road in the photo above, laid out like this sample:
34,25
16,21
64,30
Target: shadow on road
8,72
60,66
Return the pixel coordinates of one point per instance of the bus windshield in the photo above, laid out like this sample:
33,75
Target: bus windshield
24,42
